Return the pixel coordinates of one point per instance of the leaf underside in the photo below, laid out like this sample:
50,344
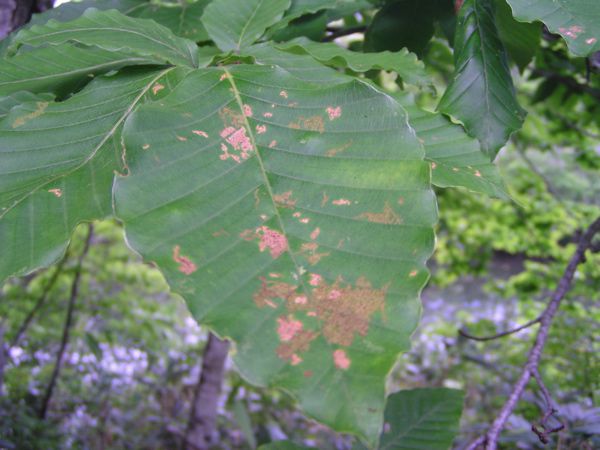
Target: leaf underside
482,95
295,219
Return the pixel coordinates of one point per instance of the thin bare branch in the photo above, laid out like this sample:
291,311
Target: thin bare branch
39,304
530,369
464,334
67,327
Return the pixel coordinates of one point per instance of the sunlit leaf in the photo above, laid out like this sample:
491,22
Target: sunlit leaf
302,210
233,25
482,95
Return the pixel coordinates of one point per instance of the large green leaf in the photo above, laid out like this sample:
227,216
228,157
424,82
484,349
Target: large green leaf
295,218
578,21
404,63
60,68
58,162
521,40
422,419
482,94
456,158
233,25
113,31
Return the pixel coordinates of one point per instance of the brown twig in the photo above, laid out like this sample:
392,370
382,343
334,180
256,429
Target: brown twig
530,369
464,334
39,304
67,327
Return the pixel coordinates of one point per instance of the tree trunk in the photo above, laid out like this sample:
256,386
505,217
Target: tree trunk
15,13
202,426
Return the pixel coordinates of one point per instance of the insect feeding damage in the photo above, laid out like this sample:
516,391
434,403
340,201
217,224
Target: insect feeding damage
186,265
39,110
342,310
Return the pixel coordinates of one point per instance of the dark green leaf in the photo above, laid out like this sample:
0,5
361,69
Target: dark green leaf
578,21
302,210
407,23
404,63
233,25
482,95
111,30
61,68
520,39
422,419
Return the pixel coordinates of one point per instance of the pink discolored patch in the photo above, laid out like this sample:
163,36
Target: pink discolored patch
334,113
301,300
341,360
157,88
413,274
477,173
315,233
186,266
238,140
223,76
283,94
295,360
272,144
334,294
311,314
145,146
304,220
433,165
247,110
341,202
572,32
181,138
57,192
275,275
315,279
260,129
591,41
268,115
200,133
296,214
287,328
273,240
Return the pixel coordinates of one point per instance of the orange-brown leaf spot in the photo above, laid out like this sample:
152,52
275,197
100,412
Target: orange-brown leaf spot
268,239
313,123
315,233
387,216
270,290
287,327
284,200
299,343
204,134
344,310
186,266
341,202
